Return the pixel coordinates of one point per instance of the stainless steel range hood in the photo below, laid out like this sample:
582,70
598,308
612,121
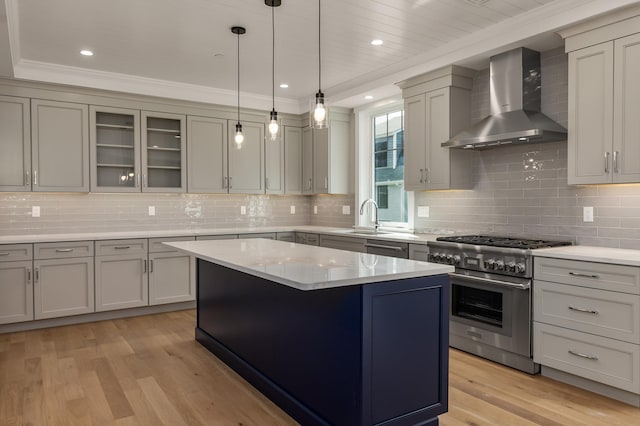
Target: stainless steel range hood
515,106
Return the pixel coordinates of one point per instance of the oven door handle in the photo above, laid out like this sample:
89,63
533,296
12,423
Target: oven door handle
518,286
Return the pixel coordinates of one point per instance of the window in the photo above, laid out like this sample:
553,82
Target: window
388,167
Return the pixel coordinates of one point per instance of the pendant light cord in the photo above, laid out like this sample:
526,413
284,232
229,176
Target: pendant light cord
319,56
238,77
273,59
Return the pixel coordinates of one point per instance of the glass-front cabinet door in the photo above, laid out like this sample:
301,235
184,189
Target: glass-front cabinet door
163,152
115,149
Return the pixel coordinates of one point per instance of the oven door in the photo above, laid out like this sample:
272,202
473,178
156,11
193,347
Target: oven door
492,309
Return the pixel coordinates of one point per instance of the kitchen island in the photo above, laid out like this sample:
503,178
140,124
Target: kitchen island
333,337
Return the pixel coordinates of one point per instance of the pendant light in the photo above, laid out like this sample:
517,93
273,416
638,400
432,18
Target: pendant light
319,114
239,137
274,125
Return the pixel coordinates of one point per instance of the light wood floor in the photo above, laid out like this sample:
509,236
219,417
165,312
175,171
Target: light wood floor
150,371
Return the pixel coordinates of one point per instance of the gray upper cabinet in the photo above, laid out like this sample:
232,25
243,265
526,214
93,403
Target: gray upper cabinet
115,149
246,165
331,156
15,144
164,155
207,155
274,165
320,161
292,160
604,105
437,106
60,146
307,160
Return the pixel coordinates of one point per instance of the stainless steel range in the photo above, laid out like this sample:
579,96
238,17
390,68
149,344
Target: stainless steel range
490,313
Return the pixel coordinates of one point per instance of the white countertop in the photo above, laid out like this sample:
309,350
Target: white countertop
307,267
120,235
615,256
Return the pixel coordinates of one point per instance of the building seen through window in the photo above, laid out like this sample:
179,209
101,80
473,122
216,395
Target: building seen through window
388,159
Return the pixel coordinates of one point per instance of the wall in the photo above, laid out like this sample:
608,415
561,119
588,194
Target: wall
522,190
68,213
330,210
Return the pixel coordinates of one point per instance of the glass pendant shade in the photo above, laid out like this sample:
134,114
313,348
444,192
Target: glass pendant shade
239,137
319,112
274,126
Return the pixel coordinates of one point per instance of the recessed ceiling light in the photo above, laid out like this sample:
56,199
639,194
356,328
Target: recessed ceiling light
368,97
284,85
376,42
86,52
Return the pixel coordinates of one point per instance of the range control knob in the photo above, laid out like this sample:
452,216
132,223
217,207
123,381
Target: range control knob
435,257
511,267
490,264
499,265
449,259
456,260
520,268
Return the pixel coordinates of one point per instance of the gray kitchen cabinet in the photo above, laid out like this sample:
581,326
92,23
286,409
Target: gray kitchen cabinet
331,156
63,279
289,237
15,144
292,160
216,237
604,104
60,146
114,149
164,156
246,165
269,235
121,271
307,238
207,155
436,107
419,252
344,243
16,283
274,152
307,160
172,274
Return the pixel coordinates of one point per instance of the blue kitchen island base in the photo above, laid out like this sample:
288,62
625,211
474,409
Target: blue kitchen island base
366,354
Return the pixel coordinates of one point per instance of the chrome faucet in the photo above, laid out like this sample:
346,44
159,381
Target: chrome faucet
376,224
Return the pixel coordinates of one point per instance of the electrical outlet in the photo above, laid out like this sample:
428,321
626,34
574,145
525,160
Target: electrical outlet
346,209
587,214
243,210
152,210
293,209
35,211
423,211
315,209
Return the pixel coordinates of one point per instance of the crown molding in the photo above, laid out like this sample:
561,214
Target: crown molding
83,77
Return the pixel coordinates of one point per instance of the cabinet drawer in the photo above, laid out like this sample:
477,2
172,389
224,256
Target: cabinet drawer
113,247
343,243
63,250
313,239
603,360
604,313
16,252
217,237
602,276
269,235
156,246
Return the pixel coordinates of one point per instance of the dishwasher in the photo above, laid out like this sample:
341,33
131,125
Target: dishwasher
388,248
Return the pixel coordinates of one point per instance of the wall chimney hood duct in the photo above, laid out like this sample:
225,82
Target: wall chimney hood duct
515,106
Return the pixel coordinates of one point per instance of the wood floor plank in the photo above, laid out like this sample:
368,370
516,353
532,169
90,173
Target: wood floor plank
150,371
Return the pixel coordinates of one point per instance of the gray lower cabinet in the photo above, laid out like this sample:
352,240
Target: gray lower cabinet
344,243
172,274
15,144
121,274
289,237
216,237
16,288
419,252
63,279
269,235
60,146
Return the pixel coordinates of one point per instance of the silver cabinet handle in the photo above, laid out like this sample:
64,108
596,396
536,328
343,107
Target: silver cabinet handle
69,250
586,311
6,253
606,162
35,177
580,274
121,247
426,175
421,176
145,181
137,180
145,266
27,178
581,355
37,274
615,161
526,285
230,180
396,248
151,266
28,275
310,183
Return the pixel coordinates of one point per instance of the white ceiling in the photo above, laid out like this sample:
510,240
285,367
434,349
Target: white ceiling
185,49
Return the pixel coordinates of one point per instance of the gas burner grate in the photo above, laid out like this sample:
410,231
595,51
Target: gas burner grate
497,241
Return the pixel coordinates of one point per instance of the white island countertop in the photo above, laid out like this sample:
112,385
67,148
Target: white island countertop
307,267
